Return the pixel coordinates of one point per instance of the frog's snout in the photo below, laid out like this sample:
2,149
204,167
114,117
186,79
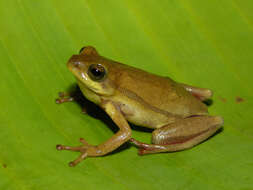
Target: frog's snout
76,64
73,61
73,65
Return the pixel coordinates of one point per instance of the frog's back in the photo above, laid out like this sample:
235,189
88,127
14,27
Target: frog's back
160,93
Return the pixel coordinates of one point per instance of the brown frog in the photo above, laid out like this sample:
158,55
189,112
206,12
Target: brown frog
174,110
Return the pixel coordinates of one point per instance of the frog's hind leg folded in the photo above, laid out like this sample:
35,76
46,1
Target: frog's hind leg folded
181,135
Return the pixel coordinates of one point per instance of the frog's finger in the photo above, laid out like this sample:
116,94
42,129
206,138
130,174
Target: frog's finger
64,97
62,100
71,148
63,94
84,110
78,160
139,144
84,142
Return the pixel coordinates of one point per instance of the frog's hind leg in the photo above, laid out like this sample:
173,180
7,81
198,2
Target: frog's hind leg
200,93
181,135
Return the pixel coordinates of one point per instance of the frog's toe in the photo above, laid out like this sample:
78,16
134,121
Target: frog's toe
59,147
84,110
84,142
143,151
62,100
138,143
79,159
83,149
64,97
71,148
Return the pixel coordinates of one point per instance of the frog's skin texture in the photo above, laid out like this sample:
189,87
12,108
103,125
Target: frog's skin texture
175,111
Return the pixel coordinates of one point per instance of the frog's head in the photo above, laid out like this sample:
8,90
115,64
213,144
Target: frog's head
92,71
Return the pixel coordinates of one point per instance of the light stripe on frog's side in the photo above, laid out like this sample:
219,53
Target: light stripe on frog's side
137,98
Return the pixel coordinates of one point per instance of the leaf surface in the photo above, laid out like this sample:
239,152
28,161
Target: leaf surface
203,43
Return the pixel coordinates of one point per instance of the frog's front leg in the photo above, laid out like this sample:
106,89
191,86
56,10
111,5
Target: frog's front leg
122,136
183,134
68,97
64,97
200,93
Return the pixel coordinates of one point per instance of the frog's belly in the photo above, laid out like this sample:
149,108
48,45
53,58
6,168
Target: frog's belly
143,115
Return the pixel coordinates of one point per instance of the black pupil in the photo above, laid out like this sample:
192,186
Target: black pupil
96,72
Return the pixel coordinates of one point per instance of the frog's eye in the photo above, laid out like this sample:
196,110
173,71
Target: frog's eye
96,72
81,49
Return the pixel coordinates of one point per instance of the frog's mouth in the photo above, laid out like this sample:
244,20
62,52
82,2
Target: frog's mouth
77,69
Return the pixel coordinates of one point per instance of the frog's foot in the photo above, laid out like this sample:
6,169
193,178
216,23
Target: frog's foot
83,149
143,147
180,135
64,97
68,97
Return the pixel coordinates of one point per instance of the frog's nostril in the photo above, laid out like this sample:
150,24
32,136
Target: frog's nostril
76,64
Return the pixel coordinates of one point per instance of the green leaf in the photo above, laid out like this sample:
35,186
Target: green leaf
203,43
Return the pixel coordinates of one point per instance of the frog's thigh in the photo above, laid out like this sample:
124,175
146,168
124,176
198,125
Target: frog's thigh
200,93
182,134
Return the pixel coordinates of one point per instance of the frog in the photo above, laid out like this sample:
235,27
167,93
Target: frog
175,112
